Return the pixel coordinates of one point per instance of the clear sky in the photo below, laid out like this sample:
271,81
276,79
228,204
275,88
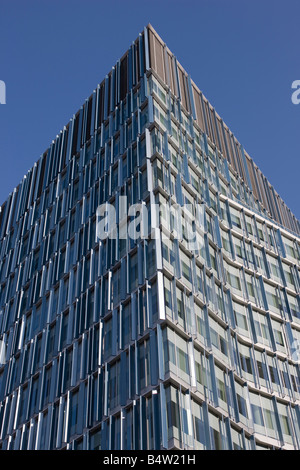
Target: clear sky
243,55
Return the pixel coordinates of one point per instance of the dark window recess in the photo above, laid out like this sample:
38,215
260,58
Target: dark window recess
137,61
42,174
89,117
108,101
75,133
100,104
123,78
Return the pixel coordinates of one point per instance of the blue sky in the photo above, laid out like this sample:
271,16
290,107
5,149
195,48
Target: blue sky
242,54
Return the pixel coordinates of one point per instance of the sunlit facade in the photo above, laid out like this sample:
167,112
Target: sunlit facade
148,343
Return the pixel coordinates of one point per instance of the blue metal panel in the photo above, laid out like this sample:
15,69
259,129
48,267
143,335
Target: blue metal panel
192,101
217,232
161,368
176,77
106,97
141,55
228,432
178,190
280,244
213,380
186,173
133,70
150,109
133,317
263,293
163,414
207,328
136,435
234,396
143,424
140,264
154,366
79,131
123,372
104,435
113,89
146,42
118,82
252,325
114,331
207,439
230,314
80,424
246,167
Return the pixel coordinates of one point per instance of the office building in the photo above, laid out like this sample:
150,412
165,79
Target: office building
155,342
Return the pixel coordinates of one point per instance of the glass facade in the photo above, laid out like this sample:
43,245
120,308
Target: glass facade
153,342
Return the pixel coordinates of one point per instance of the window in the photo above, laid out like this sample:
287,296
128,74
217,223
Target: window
289,277
274,268
241,318
168,296
114,385
294,307
242,403
246,361
34,396
50,342
249,225
285,422
133,270
168,254
74,412
263,415
176,354
219,339
226,243
160,115
68,368
199,429
235,218
233,278
95,440
273,299
290,249
239,250
251,288
126,324
200,324
64,329
173,414
47,385
278,330
257,414
144,364
116,286
262,368
221,388
260,232
273,370
107,339
186,267
217,441
237,440
262,329
202,373
181,310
